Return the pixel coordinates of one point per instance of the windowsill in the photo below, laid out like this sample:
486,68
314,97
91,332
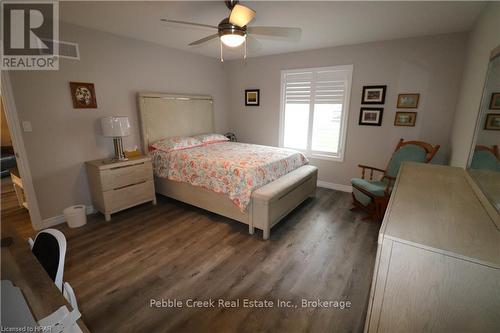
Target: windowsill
325,157
317,156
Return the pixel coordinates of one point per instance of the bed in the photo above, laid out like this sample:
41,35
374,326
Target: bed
260,206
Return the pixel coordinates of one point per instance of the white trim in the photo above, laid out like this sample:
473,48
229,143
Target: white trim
12,118
333,186
55,220
281,124
339,157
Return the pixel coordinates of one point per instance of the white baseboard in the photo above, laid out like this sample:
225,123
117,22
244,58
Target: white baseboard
333,186
55,220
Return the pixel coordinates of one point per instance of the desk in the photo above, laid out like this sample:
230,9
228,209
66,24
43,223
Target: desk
20,266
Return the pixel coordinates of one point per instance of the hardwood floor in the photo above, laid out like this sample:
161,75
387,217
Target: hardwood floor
175,251
11,213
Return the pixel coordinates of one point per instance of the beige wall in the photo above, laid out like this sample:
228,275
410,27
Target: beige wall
64,138
483,39
431,66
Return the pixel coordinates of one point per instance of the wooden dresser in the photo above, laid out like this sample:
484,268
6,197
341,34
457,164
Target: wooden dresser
438,257
115,186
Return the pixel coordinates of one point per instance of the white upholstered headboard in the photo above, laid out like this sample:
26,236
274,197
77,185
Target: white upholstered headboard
164,115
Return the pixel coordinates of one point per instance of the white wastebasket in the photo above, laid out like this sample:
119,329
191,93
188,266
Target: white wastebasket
75,216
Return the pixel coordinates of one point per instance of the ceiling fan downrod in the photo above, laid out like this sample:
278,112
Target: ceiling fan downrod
231,3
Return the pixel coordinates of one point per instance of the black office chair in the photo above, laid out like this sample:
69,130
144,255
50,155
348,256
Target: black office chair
49,247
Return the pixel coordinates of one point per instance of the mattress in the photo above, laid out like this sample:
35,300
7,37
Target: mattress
231,168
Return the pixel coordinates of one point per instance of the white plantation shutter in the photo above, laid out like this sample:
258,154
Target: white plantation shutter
314,110
329,87
298,91
298,87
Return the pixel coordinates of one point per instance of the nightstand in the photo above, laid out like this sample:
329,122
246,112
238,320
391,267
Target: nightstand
118,185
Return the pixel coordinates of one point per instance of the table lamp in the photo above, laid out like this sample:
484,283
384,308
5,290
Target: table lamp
116,128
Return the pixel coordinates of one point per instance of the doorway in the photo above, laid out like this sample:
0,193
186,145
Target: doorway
18,193
11,180
13,205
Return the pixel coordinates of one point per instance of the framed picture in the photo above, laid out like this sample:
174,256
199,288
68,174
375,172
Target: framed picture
408,101
373,95
371,116
495,101
252,97
492,121
83,95
405,119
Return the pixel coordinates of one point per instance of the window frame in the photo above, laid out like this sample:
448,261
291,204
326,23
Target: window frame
339,157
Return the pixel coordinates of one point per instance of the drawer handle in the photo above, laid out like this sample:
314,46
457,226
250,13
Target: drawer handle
122,187
126,166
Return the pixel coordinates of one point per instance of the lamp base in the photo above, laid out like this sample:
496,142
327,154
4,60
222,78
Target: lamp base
119,153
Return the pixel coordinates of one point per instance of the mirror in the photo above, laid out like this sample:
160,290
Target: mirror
484,160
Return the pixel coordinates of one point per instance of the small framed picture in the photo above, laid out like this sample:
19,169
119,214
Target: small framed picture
252,97
405,119
371,116
408,101
492,122
83,95
373,95
495,101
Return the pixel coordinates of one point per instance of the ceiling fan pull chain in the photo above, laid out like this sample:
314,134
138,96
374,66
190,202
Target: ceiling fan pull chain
221,54
245,56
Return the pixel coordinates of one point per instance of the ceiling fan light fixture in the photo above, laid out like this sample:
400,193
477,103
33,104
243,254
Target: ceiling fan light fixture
231,35
232,40
241,15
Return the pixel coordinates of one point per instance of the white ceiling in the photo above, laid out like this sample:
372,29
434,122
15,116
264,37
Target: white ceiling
323,23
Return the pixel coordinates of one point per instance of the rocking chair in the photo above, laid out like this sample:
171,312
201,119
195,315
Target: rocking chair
372,195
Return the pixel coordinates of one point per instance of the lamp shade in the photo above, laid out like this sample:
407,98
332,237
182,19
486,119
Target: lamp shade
115,126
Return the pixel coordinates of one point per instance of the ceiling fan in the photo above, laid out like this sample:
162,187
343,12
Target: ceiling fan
233,30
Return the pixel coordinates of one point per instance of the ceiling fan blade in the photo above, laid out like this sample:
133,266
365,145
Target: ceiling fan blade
241,15
190,23
203,40
253,44
293,33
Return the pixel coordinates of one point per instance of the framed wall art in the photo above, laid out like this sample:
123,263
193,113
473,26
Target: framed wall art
405,119
495,101
371,116
408,101
492,122
252,97
373,95
83,95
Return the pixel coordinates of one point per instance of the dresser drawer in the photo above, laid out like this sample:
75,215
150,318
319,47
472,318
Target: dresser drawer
121,198
122,176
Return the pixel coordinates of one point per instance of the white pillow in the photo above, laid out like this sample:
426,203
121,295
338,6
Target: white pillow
176,143
210,138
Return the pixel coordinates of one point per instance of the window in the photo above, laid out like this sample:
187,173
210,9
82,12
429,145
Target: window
314,108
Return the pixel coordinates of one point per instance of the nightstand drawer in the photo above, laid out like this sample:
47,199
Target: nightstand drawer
121,198
122,176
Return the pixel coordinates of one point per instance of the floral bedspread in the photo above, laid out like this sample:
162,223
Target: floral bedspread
234,169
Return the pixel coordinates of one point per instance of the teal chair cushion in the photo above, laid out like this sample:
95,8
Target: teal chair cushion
412,153
375,187
485,160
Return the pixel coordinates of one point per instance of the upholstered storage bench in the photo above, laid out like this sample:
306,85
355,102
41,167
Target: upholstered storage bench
274,201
